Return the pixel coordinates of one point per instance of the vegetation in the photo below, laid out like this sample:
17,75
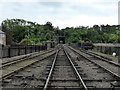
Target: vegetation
95,34
26,32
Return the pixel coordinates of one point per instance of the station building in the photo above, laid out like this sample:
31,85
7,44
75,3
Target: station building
2,38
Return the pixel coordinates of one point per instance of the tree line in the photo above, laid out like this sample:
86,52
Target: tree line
19,31
95,34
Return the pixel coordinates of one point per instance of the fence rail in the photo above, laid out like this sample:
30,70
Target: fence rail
103,48
108,49
10,51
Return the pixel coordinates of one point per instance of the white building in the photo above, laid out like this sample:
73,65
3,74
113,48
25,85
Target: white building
2,38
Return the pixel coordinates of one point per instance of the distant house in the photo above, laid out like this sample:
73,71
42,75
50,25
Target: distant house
2,38
8,35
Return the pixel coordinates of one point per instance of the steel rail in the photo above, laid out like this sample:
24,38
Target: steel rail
22,59
103,59
51,70
112,73
76,71
14,72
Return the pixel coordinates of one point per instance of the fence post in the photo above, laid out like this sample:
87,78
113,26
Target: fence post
18,50
46,46
35,48
25,50
117,50
9,52
39,47
31,49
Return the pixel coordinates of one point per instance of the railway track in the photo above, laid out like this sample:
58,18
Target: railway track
110,65
63,73
11,68
101,57
10,62
98,71
30,77
56,71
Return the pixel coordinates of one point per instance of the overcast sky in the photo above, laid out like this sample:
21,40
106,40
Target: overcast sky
62,13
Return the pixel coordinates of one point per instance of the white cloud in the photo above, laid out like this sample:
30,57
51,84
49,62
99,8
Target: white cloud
81,1
84,20
108,6
72,13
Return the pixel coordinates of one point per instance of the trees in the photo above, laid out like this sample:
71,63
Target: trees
23,31
19,31
113,38
95,34
118,35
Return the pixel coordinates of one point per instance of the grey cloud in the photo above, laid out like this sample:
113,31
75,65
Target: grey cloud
90,9
55,10
11,6
51,4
